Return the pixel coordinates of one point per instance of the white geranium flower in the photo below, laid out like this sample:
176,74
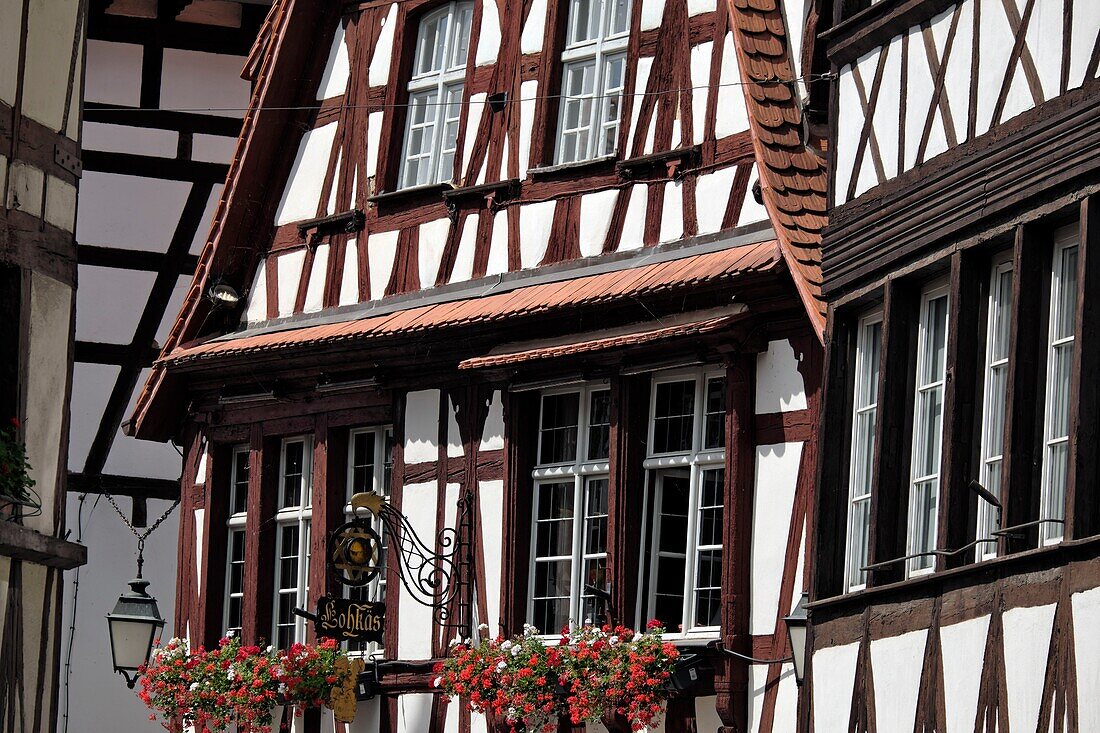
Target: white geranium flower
500,666
483,627
194,686
516,651
613,640
437,682
506,644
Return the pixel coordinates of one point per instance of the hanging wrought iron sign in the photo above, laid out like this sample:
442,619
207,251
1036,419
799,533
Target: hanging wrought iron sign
344,619
428,574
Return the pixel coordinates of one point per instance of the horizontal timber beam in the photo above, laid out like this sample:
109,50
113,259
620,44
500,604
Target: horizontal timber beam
133,486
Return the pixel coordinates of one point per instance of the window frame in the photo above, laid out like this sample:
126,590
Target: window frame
986,518
1064,239
301,516
581,471
443,82
869,319
235,526
375,590
697,461
931,292
601,51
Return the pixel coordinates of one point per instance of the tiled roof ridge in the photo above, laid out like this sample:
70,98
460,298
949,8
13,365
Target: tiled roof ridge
793,178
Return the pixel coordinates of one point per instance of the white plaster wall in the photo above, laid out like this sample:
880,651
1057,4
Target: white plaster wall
454,436
596,210
288,267
776,478
1027,641
422,427
498,242
531,38
126,139
381,249
432,241
379,69
641,79
963,648
897,666
1086,19
488,43
700,81
492,436
534,231
315,289
11,28
834,672
634,221
367,717
334,81
60,204
752,210
492,528
464,258
349,281
418,502
51,28
672,212
706,714
733,117
473,120
25,188
256,309
98,698
47,353
1086,633
849,125
528,92
956,84
652,11
779,384
303,188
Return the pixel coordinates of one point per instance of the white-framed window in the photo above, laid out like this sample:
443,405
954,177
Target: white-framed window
435,95
592,79
370,465
569,523
1060,341
238,516
924,486
685,475
864,420
292,553
995,393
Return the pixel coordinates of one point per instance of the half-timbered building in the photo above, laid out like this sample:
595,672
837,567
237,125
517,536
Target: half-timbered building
41,61
163,102
543,272
955,573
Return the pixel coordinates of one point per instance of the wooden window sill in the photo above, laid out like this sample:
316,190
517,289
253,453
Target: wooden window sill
592,166
667,162
411,195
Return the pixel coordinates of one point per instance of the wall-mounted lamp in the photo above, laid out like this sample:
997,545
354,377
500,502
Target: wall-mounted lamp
133,624
796,635
222,294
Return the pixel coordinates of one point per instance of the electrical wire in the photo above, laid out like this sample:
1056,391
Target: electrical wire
76,594
809,79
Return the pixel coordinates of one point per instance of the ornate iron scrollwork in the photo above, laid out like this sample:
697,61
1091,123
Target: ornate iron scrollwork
429,576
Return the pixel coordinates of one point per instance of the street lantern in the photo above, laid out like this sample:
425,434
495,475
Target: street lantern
134,624
796,634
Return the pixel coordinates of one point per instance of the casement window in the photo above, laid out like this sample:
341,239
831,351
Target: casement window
593,78
995,393
569,537
685,475
1060,341
435,95
370,463
238,514
864,420
292,539
924,487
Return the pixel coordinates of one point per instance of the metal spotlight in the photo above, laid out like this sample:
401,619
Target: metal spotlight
223,294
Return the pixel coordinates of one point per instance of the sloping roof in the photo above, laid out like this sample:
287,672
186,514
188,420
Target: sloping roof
635,334
793,178
529,301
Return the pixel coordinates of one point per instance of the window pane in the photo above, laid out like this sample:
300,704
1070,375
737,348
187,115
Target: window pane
674,414
863,448
558,439
674,513
923,523
595,519
293,457
599,425
618,16
240,482
710,508
714,434
460,42
669,598
708,588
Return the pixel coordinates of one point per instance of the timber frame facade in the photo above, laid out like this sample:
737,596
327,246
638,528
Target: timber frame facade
440,304
41,54
961,273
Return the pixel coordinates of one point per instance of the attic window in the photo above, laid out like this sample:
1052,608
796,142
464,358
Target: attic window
435,95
